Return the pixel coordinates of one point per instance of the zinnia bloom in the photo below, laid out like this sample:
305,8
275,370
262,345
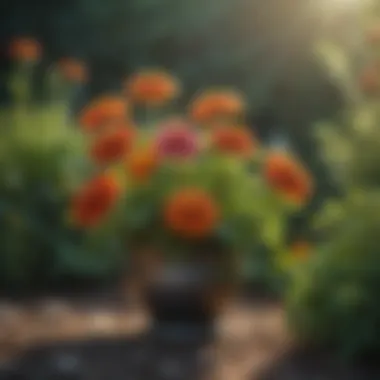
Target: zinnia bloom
25,49
73,70
288,177
142,164
152,87
211,106
191,213
102,112
177,139
94,201
233,140
113,146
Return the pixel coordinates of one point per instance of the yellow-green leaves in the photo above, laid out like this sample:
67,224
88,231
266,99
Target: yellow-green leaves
339,66
332,213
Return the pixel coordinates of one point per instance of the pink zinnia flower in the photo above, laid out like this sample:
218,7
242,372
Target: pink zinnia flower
177,139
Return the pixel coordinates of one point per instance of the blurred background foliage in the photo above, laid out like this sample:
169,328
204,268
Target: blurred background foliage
264,49
41,163
333,300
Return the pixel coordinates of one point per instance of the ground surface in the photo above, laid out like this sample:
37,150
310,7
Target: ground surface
98,339
248,337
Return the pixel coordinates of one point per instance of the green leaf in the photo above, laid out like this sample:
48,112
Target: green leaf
273,232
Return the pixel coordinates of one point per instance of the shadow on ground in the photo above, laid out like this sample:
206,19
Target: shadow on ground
143,357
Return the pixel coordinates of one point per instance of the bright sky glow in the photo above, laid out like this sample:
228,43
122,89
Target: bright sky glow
341,5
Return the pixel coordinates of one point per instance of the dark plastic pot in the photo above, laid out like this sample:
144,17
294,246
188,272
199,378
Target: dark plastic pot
179,298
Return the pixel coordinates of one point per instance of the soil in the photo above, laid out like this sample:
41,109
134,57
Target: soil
101,339
101,336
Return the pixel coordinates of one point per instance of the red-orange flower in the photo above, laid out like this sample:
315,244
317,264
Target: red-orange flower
102,112
92,203
25,49
191,213
112,146
142,164
215,105
288,177
73,70
152,87
233,140
369,80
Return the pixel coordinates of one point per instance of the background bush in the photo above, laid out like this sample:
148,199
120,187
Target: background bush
41,161
334,300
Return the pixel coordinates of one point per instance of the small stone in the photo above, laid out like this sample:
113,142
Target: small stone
102,321
9,315
66,366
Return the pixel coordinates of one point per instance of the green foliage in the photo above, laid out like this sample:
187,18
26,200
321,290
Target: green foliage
251,211
333,301
41,161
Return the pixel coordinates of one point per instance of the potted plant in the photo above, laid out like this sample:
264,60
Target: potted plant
190,194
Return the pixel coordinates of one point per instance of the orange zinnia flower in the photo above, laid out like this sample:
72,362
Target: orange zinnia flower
25,49
73,70
152,87
288,177
104,111
94,201
191,213
214,105
233,140
112,146
142,164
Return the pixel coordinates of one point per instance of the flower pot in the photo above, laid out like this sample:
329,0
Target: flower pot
184,294
184,299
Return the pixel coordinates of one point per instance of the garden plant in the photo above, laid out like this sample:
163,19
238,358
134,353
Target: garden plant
334,299
40,161
180,185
